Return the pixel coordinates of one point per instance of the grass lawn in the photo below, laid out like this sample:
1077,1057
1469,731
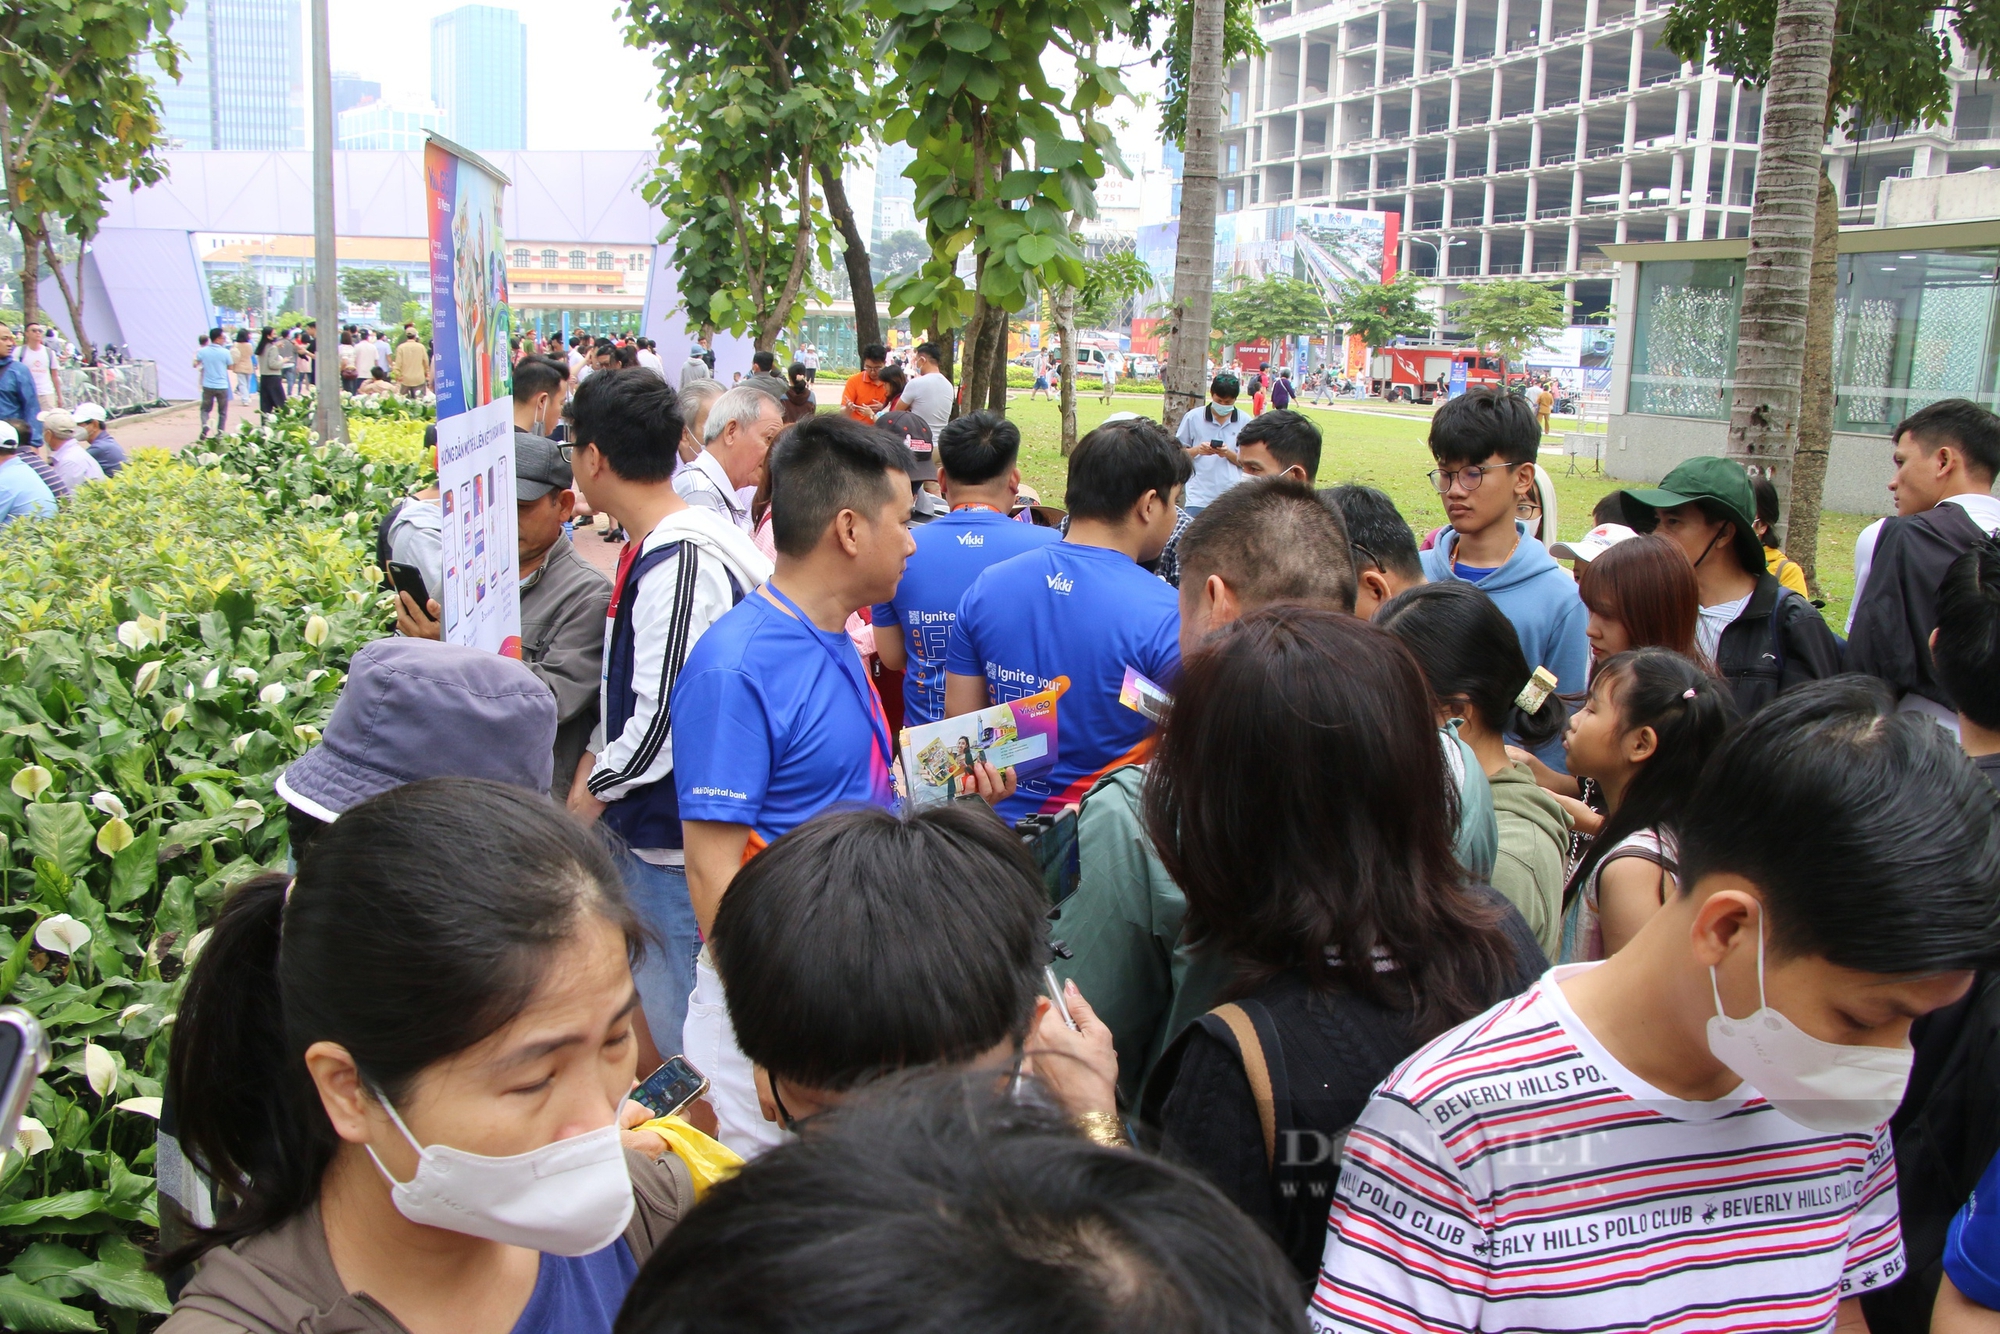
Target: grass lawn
1384,447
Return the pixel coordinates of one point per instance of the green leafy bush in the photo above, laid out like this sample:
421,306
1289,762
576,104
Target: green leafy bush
168,643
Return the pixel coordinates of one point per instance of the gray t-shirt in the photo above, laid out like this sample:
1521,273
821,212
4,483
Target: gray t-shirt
929,396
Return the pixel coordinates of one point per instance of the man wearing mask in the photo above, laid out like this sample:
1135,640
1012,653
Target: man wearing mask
1209,436
538,395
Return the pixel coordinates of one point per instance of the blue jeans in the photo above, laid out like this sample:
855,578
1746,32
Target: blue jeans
665,972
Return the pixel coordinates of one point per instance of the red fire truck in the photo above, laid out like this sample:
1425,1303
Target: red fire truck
1419,374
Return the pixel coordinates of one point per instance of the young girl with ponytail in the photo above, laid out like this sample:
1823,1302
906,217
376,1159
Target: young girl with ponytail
1472,658
404,1072
1652,720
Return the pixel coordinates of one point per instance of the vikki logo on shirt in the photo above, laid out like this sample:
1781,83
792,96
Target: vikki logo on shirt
972,539
1061,583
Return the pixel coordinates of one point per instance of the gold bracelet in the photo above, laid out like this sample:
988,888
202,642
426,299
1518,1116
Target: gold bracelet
1104,1128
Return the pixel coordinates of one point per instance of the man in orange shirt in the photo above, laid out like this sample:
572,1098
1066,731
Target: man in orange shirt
866,396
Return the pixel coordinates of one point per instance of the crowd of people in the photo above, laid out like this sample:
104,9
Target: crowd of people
1484,931
46,453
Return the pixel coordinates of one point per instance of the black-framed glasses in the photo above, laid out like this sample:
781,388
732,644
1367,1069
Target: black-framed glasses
1367,557
1468,477
568,453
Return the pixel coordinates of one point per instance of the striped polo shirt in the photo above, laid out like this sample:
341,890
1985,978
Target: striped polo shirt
1512,1175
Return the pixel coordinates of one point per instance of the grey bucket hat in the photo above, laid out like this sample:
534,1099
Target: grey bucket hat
413,709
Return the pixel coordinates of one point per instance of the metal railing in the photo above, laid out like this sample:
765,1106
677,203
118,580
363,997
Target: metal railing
1559,211
116,389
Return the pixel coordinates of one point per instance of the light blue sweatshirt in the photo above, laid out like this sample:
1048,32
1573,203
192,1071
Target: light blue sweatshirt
1540,598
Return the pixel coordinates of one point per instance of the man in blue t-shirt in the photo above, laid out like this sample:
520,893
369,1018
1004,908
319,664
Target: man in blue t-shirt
976,469
1081,611
213,357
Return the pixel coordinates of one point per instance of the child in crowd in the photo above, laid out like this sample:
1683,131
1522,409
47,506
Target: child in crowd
1473,661
1691,1134
1385,550
1776,562
1485,442
1652,720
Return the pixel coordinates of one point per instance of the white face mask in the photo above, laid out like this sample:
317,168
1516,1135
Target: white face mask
1823,1086
571,1197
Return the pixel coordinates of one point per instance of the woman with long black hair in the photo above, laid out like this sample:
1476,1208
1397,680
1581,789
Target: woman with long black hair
1300,798
405,1072
270,372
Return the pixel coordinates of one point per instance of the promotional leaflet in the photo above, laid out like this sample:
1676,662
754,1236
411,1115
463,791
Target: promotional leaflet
938,758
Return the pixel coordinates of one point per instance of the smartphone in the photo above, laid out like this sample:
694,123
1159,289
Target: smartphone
409,579
671,1087
1056,994
24,1054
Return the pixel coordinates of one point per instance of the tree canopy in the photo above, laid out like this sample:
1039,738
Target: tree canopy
1379,313
1510,316
1272,308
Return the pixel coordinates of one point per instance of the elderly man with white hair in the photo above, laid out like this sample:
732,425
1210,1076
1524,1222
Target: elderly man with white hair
738,433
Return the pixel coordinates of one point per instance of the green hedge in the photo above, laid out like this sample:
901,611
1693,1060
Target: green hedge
168,643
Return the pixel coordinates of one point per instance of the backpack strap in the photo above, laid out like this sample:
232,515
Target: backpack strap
1251,1050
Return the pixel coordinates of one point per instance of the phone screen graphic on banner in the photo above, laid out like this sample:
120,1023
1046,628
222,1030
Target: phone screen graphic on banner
470,329
1457,380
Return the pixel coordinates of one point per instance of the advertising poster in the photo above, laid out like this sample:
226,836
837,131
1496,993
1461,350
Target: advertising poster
475,406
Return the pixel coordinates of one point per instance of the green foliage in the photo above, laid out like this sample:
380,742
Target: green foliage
1379,312
1890,57
899,253
1275,307
753,101
1510,316
1239,39
238,292
375,287
1109,283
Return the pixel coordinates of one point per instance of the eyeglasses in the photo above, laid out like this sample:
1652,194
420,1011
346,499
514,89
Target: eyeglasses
568,453
1468,477
1366,556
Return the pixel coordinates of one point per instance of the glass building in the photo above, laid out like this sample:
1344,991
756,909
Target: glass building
384,125
242,76
479,76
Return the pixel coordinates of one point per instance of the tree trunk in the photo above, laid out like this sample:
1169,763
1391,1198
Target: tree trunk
1194,255
31,311
1066,330
1798,530
996,384
1771,331
860,277
73,299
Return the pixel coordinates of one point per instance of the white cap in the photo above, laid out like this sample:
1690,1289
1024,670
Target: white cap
9,439
88,412
1593,543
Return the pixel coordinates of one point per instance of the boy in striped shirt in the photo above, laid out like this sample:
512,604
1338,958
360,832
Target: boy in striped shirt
1690,1135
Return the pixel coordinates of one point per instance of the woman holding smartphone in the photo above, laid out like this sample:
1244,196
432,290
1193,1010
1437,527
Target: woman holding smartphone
406,1070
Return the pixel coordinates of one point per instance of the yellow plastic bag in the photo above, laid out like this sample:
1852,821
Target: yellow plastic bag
708,1160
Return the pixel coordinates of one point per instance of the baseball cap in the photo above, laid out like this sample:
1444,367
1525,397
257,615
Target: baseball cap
1718,485
58,422
539,467
9,440
412,709
1593,543
88,412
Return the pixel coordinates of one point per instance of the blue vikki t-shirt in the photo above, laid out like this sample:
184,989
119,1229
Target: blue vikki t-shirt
579,1294
952,551
774,721
1079,612
214,366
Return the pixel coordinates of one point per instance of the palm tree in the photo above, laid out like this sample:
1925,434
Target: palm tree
1194,257
1771,331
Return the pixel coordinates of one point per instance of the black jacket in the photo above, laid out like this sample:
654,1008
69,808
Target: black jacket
1325,1052
1898,607
1779,641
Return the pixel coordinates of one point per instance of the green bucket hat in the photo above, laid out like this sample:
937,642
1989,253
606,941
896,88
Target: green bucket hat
1717,484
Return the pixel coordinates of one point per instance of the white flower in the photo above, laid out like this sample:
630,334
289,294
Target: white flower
114,837
62,934
315,674
240,744
133,635
317,630
372,573
126,1015
193,948
249,812
31,781
143,1106
156,626
306,733
213,679
247,675
272,694
357,596
148,677
108,803
172,718
209,459
32,1138
99,1069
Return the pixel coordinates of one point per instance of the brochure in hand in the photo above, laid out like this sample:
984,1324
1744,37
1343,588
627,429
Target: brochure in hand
1021,734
